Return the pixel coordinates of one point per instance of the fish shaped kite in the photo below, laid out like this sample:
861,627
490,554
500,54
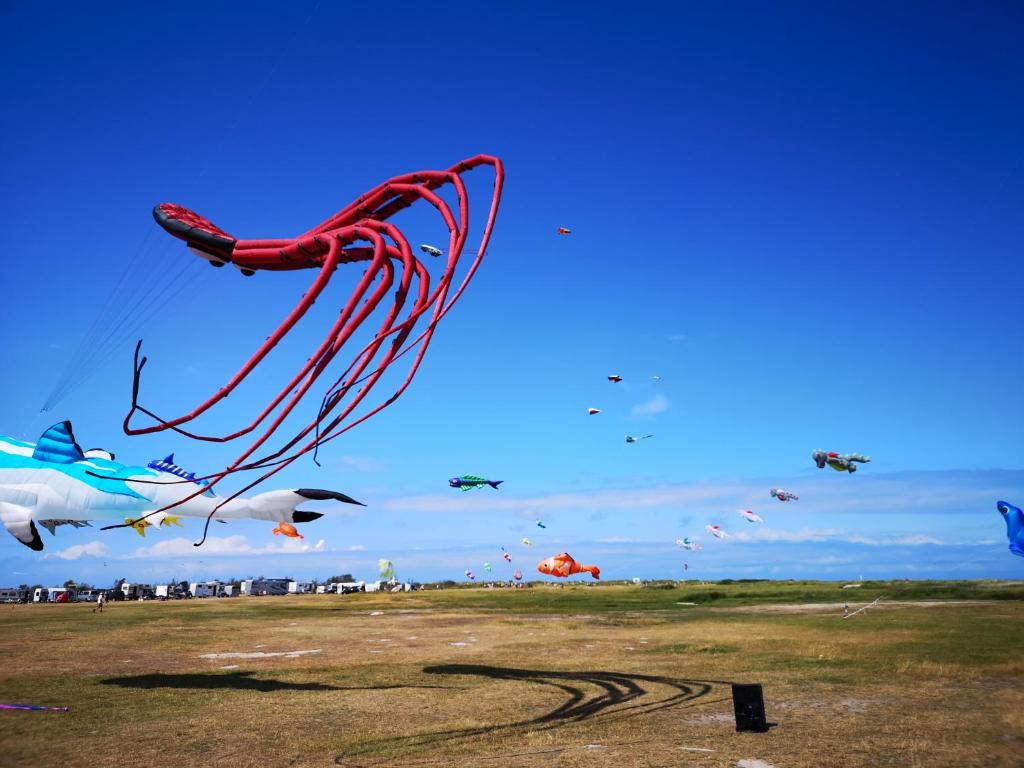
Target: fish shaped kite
562,565
564,231
716,531
688,544
1014,526
782,495
287,529
631,439
54,480
506,555
593,411
469,482
750,517
614,378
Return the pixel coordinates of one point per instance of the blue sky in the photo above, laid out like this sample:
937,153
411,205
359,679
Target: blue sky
806,220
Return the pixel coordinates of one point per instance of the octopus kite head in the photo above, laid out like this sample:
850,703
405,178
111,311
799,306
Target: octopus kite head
204,238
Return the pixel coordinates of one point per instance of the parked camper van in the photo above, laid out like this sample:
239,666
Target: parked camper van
13,595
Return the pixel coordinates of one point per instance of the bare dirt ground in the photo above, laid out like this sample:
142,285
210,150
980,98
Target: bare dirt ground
330,681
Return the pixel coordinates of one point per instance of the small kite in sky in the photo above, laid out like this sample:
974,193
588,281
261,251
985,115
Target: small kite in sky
562,565
688,544
526,542
431,250
469,482
593,411
750,516
469,575
632,439
507,555
839,462
614,378
540,524
518,575
716,531
656,378
782,495
487,567
564,231
287,529
386,569
1014,526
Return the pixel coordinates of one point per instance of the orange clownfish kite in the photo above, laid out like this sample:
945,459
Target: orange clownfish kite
564,231
562,565
287,529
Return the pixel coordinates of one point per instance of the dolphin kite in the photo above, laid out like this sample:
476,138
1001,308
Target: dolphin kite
54,482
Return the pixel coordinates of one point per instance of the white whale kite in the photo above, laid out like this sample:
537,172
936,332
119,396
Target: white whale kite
54,482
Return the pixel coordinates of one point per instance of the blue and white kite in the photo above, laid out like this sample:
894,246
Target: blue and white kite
1014,526
54,482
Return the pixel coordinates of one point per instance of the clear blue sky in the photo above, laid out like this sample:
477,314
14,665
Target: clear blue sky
806,220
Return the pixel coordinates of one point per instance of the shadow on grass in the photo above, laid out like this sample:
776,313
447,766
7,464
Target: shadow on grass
238,681
588,695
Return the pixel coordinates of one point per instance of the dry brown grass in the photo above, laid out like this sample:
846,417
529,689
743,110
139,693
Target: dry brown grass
907,687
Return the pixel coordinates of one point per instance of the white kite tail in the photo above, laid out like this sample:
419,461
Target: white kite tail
872,604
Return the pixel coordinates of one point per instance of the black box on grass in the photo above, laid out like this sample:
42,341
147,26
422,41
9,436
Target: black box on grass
748,702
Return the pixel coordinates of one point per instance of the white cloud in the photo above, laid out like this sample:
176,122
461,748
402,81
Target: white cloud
217,546
914,540
356,548
654,406
804,534
91,549
320,545
361,463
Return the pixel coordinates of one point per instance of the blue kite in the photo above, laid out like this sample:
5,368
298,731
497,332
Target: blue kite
1014,526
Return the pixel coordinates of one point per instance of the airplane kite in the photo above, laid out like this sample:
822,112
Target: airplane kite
55,481
839,462
782,495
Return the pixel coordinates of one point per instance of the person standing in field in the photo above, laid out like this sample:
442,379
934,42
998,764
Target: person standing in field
100,600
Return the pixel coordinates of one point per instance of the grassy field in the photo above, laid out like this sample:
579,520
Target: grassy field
578,676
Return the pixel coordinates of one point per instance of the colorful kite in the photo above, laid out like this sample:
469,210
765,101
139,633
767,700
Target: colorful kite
564,231
55,482
506,555
839,462
1014,526
386,569
716,531
750,517
518,575
470,576
782,495
688,544
287,529
526,542
487,567
469,482
394,281
562,565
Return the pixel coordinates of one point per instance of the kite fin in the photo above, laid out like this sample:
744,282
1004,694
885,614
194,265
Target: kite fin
57,445
495,483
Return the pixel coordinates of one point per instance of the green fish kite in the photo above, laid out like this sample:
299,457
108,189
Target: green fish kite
469,482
